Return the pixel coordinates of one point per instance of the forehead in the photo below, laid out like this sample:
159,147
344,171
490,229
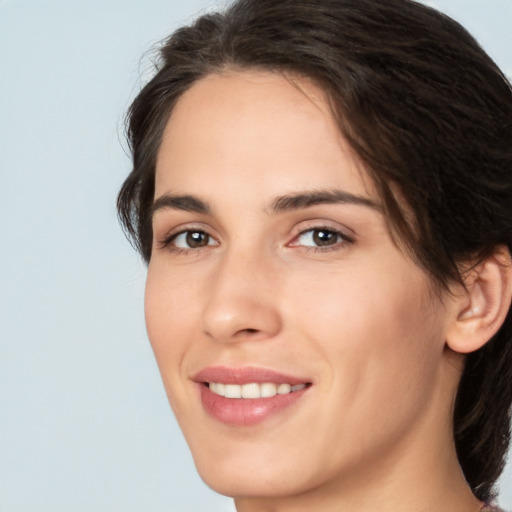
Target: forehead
259,128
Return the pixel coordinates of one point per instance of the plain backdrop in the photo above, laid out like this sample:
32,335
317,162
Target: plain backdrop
84,421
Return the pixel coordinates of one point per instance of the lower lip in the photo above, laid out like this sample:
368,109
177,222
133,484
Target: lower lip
246,411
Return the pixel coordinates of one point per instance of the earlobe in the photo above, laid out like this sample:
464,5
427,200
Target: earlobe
481,308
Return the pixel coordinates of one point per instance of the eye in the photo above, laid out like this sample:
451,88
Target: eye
321,238
191,239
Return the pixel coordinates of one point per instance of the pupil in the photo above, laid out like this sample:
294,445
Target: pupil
323,237
197,239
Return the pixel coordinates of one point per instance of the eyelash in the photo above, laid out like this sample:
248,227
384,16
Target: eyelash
168,242
344,239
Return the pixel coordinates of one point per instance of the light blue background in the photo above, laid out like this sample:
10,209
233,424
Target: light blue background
84,422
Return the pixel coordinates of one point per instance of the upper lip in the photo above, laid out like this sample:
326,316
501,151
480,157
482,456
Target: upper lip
245,375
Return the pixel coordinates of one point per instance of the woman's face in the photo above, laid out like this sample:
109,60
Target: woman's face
273,276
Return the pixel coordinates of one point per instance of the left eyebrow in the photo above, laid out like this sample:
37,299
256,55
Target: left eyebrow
305,200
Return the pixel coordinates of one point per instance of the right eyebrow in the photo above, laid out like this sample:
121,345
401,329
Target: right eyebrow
186,203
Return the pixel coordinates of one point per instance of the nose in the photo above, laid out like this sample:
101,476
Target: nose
242,301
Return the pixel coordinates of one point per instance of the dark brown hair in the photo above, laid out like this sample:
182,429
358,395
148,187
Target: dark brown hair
425,109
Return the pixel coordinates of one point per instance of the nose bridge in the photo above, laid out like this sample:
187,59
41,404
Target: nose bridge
241,300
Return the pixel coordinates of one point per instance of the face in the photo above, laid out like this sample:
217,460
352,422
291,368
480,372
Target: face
298,346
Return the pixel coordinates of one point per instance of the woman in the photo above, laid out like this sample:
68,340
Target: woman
323,194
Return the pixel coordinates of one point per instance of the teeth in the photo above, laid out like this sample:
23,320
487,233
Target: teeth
217,388
284,389
253,389
268,389
232,391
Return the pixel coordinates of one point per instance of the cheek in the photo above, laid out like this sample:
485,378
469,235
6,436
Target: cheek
360,307
378,332
380,357
171,317
165,304
158,313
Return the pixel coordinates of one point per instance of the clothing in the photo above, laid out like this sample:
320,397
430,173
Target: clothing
491,509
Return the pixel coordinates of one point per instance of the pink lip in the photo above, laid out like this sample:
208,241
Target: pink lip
240,411
245,375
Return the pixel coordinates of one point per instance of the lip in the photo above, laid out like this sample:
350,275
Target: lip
241,411
246,375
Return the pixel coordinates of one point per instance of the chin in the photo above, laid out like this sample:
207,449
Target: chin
238,483
259,473
242,476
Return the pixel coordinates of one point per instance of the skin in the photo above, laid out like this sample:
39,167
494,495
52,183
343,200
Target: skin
355,317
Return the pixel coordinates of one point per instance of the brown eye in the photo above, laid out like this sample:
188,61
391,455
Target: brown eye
192,240
196,239
319,237
323,237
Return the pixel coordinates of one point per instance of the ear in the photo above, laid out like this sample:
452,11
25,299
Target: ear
481,307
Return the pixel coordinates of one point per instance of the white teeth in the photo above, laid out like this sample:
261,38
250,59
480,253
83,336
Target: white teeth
217,388
284,389
232,391
253,389
268,389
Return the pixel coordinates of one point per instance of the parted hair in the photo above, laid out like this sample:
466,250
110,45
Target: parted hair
428,113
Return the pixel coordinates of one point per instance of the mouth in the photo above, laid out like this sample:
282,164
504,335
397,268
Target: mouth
248,396
253,390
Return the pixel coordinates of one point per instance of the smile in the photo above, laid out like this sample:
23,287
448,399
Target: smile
253,390
247,396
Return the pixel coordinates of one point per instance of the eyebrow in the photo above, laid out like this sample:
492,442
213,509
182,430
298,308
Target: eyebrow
305,200
186,203
280,204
